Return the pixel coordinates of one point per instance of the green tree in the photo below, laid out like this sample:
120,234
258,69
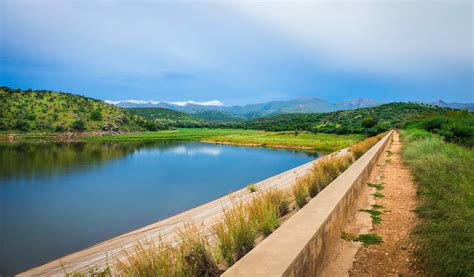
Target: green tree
78,125
96,115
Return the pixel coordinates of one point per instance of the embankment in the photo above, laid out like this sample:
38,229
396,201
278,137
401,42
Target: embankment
300,245
106,253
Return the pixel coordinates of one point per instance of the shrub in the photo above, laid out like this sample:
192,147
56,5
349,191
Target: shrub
149,259
264,212
300,192
78,125
236,234
194,258
96,115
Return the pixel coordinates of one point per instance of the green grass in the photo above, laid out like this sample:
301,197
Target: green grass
300,192
252,187
369,239
378,186
377,207
378,195
444,235
317,142
374,214
366,239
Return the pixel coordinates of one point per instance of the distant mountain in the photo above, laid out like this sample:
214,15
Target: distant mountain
252,111
459,106
217,116
356,104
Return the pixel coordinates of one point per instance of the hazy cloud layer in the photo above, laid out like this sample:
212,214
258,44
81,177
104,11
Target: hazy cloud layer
240,52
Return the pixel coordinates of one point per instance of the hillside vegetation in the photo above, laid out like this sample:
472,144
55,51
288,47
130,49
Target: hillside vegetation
162,119
365,120
54,111
444,235
301,140
452,126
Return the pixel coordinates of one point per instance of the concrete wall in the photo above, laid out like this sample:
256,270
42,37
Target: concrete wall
302,243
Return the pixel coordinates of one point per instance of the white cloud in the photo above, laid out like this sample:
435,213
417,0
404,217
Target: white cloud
379,37
112,102
204,103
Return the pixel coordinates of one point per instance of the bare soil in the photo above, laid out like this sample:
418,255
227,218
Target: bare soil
392,257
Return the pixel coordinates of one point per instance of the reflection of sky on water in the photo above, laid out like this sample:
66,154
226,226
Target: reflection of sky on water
188,149
58,198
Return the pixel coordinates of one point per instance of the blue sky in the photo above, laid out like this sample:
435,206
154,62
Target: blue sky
240,52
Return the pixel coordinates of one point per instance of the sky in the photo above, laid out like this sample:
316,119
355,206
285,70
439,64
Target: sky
240,52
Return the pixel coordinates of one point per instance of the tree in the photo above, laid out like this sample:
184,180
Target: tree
369,122
78,125
96,115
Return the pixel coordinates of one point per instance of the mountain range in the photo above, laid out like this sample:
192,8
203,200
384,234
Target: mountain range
252,111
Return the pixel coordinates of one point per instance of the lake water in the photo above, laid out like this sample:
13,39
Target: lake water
58,198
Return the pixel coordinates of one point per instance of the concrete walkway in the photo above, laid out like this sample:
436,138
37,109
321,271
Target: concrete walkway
99,255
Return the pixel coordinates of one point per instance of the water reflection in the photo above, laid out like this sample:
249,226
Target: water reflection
56,198
47,159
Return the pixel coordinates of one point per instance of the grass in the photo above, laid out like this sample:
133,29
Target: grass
444,235
374,214
150,259
377,207
264,211
300,192
304,140
366,239
369,239
252,187
360,148
317,142
236,233
378,186
378,195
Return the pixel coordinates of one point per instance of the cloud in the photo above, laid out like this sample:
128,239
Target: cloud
204,103
375,37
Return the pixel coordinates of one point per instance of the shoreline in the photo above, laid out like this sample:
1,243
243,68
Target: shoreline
321,143
278,146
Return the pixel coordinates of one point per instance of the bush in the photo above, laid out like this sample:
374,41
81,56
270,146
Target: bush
300,192
96,115
369,122
22,125
78,125
444,236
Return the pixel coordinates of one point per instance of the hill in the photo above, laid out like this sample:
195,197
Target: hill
218,116
28,110
364,120
454,105
162,118
252,111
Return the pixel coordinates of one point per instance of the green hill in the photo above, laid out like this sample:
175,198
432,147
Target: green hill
218,116
364,120
28,110
161,118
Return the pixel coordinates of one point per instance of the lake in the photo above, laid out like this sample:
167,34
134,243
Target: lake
58,198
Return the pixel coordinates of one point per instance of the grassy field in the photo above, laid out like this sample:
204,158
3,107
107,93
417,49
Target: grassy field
304,140
444,236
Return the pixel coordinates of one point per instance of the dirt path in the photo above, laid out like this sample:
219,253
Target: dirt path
392,257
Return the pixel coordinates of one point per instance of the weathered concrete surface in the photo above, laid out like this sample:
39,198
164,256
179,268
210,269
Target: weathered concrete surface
99,255
300,245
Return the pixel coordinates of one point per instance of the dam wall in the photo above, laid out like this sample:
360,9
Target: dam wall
301,245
